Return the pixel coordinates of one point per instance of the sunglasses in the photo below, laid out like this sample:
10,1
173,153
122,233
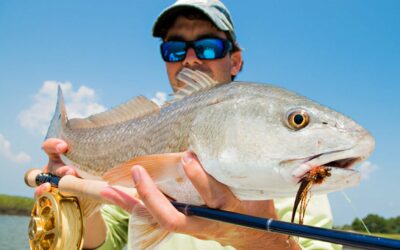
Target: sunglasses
205,49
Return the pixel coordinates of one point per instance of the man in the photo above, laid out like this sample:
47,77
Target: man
196,34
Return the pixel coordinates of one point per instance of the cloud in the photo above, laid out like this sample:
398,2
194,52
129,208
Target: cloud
366,169
5,150
160,98
80,103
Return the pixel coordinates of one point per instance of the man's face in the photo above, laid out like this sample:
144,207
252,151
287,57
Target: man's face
220,70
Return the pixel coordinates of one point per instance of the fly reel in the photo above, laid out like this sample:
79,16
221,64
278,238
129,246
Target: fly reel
56,223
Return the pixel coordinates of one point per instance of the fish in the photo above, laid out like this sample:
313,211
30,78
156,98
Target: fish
258,139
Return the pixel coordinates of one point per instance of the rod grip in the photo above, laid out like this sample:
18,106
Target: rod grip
74,186
89,188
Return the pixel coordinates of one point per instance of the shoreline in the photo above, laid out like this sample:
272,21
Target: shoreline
15,205
14,212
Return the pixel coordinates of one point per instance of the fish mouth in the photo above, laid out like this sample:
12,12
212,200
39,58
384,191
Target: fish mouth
343,163
333,161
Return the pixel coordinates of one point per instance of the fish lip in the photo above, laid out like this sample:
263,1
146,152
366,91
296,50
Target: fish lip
330,160
343,159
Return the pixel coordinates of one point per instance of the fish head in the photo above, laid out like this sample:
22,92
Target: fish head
262,140
321,137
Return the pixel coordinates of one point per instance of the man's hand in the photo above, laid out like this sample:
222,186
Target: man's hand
96,229
54,148
215,195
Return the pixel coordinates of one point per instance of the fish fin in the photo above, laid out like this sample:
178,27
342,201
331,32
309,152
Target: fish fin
144,231
195,81
159,167
59,118
136,108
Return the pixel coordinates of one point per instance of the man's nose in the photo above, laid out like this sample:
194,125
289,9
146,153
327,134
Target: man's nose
191,58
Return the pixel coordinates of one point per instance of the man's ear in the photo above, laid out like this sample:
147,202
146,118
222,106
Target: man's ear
236,62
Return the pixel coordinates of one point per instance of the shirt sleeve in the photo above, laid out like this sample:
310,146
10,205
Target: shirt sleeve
117,221
318,214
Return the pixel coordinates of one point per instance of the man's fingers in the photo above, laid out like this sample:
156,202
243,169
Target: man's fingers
42,189
45,169
66,170
214,193
54,147
120,198
157,204
164,212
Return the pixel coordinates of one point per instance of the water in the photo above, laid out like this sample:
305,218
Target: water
14,232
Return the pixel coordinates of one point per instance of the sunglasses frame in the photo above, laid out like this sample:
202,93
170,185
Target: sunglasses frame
227,47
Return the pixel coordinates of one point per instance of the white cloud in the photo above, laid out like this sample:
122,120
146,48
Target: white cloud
366,169
160,98
80,103
5,150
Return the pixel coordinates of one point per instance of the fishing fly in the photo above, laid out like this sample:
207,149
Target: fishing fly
315,176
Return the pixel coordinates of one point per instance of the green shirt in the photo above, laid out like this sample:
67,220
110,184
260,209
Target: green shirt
318,214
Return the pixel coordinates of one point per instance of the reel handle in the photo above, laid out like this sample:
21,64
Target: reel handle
74,186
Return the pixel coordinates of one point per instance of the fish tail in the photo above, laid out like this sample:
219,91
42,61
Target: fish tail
59,118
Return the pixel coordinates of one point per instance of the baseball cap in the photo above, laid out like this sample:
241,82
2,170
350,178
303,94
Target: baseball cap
214,9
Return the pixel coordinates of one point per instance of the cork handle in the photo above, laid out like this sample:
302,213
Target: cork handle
83,188
89,188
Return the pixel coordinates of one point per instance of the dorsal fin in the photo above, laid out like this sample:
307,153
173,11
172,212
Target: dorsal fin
59,118
136,108
195,81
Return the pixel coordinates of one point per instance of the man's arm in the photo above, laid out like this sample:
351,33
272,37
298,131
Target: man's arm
95,231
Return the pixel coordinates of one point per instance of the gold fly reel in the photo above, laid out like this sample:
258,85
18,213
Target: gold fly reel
56,223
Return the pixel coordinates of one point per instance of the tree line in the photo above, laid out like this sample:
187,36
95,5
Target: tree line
15,205
375,224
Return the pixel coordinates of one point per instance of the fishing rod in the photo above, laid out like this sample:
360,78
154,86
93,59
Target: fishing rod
76,185
270,225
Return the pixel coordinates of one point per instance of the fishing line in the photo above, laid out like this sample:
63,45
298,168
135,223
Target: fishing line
347,198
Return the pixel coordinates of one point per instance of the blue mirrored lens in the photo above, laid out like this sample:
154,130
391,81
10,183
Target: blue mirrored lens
209,48
173,51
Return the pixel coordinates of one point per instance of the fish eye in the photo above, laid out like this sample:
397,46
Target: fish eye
298,119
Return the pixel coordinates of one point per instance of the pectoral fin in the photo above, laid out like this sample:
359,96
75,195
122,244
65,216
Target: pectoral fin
160,167
144,231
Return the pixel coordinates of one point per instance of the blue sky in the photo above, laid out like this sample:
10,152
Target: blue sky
343,54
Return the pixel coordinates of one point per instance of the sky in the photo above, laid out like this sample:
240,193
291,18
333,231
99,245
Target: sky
343,54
